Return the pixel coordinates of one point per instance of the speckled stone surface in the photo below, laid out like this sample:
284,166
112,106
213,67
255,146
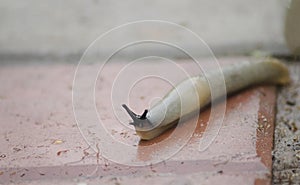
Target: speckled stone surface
286,154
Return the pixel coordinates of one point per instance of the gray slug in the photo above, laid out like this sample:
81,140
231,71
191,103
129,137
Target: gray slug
194,93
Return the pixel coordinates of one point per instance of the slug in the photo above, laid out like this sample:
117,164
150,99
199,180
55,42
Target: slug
194,93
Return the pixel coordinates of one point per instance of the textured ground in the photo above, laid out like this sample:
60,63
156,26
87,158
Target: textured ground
40,140
286,154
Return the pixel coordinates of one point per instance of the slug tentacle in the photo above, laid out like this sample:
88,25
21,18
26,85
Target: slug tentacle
139,121
194,93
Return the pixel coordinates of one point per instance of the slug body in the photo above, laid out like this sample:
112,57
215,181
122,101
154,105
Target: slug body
195,93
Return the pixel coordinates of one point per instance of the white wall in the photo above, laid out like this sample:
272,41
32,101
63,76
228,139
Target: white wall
66,27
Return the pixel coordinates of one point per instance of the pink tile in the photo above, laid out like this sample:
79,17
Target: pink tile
40,139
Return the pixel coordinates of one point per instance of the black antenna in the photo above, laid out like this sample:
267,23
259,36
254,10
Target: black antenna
140,121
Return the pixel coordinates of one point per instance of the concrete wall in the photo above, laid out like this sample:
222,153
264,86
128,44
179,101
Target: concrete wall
63,28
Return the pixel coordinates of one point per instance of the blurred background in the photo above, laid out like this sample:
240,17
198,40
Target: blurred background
55,29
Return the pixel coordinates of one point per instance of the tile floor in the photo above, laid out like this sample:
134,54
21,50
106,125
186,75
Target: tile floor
41,143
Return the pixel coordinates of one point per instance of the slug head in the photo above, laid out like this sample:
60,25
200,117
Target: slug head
140,122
